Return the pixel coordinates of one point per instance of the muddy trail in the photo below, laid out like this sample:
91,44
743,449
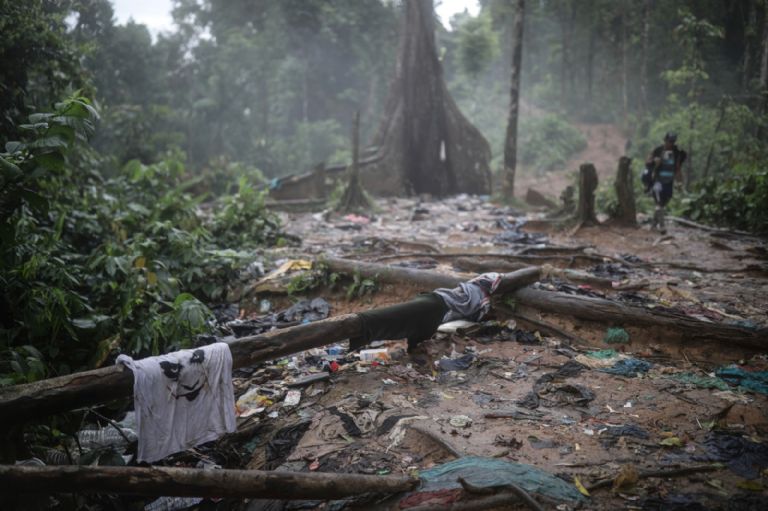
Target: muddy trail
635,418
605,145
578,410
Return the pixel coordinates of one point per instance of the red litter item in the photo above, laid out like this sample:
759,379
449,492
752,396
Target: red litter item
334,366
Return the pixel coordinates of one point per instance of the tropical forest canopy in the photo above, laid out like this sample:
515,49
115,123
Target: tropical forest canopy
133,167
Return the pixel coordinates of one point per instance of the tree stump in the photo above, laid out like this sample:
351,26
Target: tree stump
625,193
585,210
424,143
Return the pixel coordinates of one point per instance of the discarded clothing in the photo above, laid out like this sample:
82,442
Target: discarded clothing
530,400
704,382
630,367
456,364
743,456
471,300
613,433
182,399
756,381
513,235
490,473
568,394
415,320
524,337
284,442
610,270
567,370
616,336
304,311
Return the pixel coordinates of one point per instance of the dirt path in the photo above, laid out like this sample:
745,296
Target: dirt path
605,144
662,418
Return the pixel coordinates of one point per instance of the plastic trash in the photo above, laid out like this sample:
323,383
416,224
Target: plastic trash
172,503
374,354
90,439
292,398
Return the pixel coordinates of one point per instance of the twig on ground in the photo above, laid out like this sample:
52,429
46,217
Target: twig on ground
682,471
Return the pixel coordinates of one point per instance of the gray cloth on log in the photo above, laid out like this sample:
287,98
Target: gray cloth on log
415,320
182,399
471,300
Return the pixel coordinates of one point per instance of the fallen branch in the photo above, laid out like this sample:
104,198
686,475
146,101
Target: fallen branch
602,483
709,228
47,397
193,482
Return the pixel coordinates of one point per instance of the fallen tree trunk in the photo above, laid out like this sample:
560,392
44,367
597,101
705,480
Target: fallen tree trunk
47,397
194,482
581,307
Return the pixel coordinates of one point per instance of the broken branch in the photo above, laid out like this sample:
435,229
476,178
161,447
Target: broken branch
192,482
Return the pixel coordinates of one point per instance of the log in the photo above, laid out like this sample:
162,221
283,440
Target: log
193,482
581,307
46,397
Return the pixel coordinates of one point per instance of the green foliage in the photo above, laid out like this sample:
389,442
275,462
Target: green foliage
93,264
360,287
548,141
477,45
738,200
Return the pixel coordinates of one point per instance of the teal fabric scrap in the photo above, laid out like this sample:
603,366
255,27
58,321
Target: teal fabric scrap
756,381
491,472
704,382
602,354
616,335
630,367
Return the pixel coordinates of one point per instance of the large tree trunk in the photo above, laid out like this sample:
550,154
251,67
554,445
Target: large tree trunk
424,143
625,193
644,57
196,482
764,70
510,143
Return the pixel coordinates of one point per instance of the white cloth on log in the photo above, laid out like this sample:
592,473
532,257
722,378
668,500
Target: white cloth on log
471,300
182,399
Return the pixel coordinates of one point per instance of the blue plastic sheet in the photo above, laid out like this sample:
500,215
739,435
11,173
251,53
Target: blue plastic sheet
491,472
628,367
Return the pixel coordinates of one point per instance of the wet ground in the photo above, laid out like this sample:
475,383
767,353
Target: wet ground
518,394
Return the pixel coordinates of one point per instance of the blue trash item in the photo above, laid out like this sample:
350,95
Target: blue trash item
491,472
629,367
756,381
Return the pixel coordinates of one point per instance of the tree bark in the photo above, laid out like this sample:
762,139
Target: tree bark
510,142
763,107
195,482
585,211
424,143
354,200
644,57
625,193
